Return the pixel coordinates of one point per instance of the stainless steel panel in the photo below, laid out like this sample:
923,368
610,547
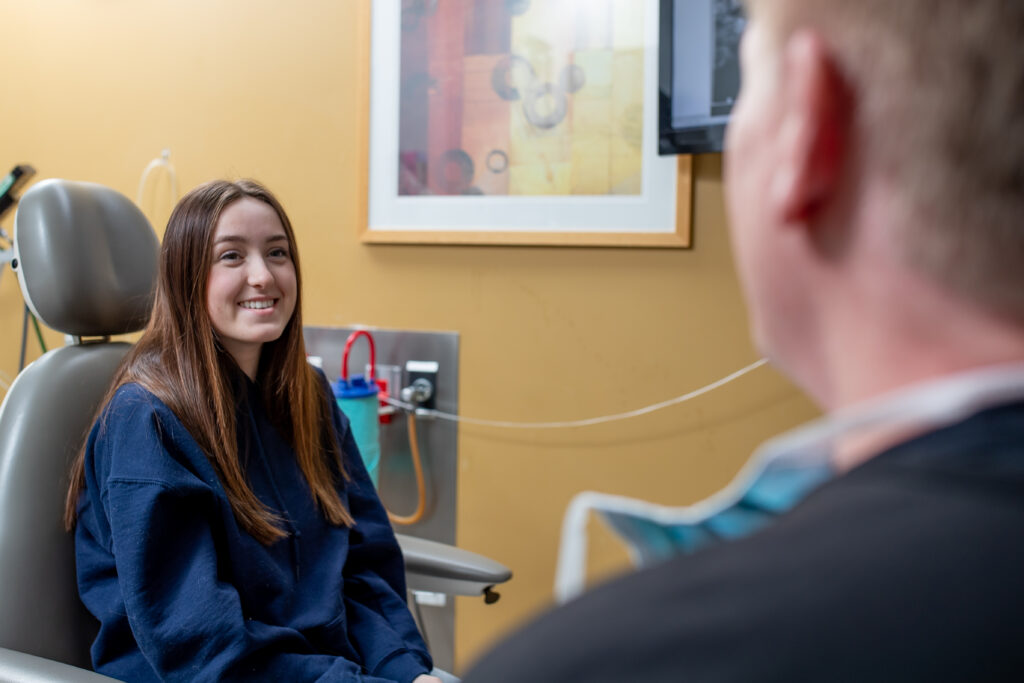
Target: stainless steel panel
437,443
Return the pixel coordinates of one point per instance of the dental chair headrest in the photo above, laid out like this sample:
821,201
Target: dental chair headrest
86,258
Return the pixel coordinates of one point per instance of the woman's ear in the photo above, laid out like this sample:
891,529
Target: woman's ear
815,128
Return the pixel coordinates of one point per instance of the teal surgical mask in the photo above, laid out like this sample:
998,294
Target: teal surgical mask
775,491
781,473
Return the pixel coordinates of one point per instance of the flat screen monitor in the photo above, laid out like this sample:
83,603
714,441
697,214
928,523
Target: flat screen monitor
698,73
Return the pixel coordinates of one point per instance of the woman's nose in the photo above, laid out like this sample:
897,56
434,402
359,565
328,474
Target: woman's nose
258,273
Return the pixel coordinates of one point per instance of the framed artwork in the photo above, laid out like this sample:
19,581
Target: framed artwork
519,122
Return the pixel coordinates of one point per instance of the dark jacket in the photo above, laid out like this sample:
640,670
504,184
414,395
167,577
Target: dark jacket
183,593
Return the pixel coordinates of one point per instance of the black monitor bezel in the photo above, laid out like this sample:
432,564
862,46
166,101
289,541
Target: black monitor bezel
698,140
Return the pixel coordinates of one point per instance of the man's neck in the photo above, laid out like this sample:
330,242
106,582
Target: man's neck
902,330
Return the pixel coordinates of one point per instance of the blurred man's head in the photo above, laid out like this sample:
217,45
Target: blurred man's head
901,118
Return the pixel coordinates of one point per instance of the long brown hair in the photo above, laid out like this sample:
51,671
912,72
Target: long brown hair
180,361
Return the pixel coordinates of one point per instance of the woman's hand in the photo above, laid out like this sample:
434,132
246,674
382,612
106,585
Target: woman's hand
426,678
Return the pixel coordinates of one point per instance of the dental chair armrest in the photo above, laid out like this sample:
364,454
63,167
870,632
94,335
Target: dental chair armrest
442,568
18,667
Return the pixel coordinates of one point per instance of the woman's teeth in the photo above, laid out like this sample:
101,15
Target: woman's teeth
256,304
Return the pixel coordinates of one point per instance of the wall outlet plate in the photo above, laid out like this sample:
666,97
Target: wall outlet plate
423,369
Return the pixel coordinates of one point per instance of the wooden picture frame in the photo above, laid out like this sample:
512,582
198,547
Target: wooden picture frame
538,203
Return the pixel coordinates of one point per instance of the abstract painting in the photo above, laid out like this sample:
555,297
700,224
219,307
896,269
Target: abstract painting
521,97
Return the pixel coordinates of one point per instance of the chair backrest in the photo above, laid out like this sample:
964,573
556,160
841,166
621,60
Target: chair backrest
86,259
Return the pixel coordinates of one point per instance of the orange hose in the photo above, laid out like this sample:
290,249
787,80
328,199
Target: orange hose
421,487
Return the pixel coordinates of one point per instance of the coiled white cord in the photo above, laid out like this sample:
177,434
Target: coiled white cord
162,161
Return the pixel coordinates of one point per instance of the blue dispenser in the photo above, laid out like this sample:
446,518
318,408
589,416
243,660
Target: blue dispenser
358,399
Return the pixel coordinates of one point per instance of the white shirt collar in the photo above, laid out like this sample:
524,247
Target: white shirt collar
924,406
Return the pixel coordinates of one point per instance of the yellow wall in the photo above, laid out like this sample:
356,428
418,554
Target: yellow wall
94,89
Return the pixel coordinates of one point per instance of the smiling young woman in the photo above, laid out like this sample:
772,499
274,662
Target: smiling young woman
216,499
251,292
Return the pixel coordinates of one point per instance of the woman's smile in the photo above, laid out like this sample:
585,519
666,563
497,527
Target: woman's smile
258,304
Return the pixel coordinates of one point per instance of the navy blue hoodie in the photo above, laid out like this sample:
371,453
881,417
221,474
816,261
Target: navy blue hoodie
183,593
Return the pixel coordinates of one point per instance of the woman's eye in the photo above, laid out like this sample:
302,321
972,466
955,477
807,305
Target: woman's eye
229,256
279,252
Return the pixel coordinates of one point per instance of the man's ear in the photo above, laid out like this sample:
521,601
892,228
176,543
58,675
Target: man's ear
815,130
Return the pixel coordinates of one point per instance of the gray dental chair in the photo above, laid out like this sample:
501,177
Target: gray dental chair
86,259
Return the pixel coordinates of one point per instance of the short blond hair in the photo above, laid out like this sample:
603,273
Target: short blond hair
940,92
